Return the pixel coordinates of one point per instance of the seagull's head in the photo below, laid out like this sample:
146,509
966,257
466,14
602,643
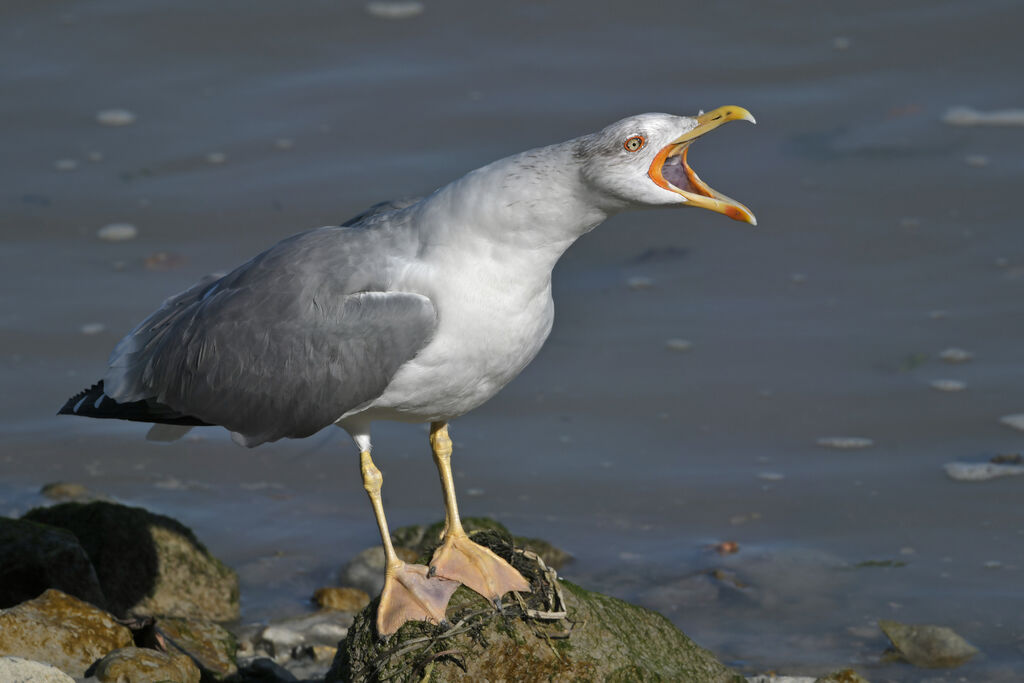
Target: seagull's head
641,160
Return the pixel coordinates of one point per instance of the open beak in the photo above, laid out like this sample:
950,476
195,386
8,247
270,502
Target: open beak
670,170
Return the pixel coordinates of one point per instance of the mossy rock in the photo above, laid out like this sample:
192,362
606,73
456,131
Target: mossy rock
147,563
424,539
600,638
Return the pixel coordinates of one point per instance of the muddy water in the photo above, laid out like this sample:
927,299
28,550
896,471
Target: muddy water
886,236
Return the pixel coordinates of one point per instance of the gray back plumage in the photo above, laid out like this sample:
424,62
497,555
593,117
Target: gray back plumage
285,344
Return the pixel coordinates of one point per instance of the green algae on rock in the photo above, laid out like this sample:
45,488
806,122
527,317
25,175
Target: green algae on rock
558,631
60,630
147,563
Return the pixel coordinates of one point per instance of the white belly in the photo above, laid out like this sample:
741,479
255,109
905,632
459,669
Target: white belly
489,328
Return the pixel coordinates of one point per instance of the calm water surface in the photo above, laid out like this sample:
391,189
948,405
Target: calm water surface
886,236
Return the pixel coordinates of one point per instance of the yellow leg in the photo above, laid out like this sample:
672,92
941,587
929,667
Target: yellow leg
459,558
410,593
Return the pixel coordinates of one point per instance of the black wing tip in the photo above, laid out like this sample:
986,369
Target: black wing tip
68,408
92,402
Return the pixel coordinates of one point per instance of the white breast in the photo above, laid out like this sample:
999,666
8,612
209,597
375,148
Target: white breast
491,323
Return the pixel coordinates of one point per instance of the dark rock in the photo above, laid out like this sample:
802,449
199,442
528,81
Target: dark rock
34,557
558,631
263,670
147,563
142,665
61,630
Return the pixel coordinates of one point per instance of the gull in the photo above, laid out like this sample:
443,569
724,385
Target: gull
416,311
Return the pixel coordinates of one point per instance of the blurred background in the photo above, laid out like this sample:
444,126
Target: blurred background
795,388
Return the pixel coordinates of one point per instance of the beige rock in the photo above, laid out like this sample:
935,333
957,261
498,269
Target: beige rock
342,599
209,644
142,665
18,670
60,630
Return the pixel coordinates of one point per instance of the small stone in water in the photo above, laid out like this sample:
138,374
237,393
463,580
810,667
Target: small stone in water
163,261
976,160
1015,421
394,9
115,117
948,385
283,143
216,157
117,232
955,355
677,344
841,43
93,328
65,164
639,282
847,442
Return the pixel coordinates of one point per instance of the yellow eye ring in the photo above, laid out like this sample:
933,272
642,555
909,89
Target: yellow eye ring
635,143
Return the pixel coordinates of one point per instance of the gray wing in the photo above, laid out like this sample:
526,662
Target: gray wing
283,345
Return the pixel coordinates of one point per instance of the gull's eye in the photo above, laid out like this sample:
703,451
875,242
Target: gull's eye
635,143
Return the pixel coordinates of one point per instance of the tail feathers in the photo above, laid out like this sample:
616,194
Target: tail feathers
92,402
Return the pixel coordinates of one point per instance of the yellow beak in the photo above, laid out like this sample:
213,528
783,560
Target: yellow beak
684,181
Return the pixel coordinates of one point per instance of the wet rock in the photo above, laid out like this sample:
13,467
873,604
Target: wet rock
142,665
341,599
34,557
60,630
211,646
981,471
558,632
263,670
1016,421
18,670
147,563
926,646
281,639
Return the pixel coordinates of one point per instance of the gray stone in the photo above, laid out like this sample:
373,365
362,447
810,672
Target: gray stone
18,670
926,646
61,630
34,557
147,563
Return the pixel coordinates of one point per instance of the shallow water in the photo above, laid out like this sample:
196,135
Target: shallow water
885,236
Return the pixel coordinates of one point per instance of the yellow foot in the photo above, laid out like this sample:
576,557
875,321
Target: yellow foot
411,595
476,567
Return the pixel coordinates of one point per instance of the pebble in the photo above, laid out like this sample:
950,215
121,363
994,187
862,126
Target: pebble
639,282
117,232
976,160
65,164
841,43
968,116
115,117
1016,421
676,344
948,385
90,329
283,143
162,261
955,355
845,442
216,158
394,9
